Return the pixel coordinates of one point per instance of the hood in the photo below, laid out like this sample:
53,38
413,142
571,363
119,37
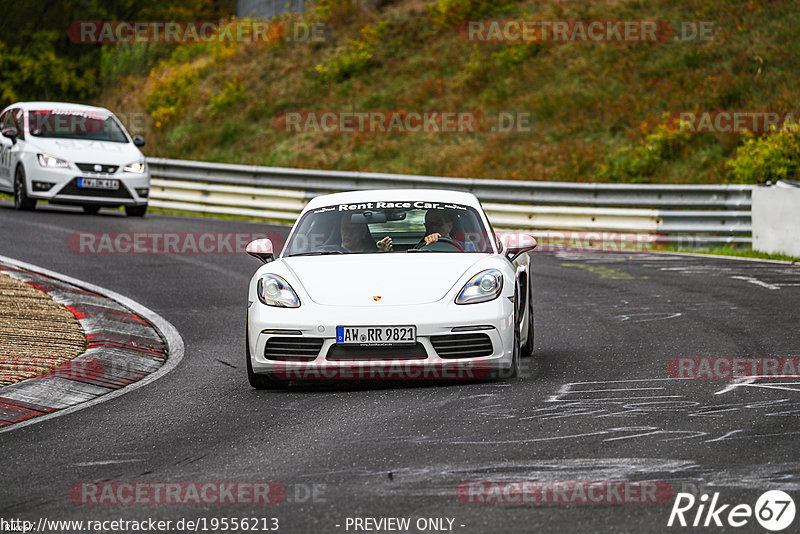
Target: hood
76,151
399,279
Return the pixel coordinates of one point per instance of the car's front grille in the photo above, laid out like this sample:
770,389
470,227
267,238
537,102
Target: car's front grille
294,349
462,345
72,189
97,167
388,352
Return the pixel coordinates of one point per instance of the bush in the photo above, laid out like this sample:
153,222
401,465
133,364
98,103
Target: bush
774,157
230,94
129,59
453,12
356,57
169,94
337,12
638,163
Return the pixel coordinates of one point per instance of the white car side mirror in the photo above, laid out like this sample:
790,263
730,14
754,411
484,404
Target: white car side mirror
261,249
516,243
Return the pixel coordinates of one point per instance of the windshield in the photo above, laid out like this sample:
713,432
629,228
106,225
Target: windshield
69,124
381,227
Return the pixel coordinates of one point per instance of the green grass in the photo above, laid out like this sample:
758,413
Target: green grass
182,213
593,106
737,252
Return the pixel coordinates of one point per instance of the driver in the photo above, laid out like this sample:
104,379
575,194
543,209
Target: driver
439,223
356,238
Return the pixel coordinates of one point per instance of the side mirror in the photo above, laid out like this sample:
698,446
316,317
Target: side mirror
516,243
12,134
261,249
138,140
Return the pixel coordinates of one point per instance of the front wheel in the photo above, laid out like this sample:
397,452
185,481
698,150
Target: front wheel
136,211
515,361
527,349
514,370
21,200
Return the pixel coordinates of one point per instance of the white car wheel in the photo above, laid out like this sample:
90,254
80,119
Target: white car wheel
21,200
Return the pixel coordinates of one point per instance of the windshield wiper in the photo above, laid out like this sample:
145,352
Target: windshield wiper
419,250
316,253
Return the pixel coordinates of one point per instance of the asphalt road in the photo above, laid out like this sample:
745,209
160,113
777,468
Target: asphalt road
597,404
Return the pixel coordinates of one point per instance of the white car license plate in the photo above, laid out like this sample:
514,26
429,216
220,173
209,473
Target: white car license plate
98,183
377,335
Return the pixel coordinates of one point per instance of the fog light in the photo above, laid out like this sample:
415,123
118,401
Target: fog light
42,186
142,192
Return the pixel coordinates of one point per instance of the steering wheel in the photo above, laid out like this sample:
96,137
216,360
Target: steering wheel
448,243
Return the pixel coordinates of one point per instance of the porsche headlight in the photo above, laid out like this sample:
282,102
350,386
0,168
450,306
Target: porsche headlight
275,291
484,286
52,162
136,167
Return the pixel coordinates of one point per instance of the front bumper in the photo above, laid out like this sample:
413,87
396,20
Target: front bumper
65,191
494,320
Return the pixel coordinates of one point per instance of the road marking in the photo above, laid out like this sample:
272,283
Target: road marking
757,282
654,316
105,462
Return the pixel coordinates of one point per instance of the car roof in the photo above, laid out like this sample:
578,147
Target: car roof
28,106
395,195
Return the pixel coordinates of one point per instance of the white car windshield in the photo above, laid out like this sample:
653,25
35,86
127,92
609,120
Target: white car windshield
68,124
380,227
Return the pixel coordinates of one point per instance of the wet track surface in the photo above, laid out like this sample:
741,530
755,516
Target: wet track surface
596,403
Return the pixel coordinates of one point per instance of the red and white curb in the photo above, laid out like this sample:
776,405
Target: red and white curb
129,346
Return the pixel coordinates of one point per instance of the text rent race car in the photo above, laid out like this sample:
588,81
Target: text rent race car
390,284
71,154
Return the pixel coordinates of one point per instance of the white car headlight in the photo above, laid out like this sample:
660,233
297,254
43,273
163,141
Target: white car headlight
484,286
136,167
52,162
275,291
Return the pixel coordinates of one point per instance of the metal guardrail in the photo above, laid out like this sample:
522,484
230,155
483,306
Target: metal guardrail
703,214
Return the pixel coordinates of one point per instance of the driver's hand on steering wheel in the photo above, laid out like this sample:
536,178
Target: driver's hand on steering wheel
432,238
385,244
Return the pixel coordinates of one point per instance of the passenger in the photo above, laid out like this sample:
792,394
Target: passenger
356,238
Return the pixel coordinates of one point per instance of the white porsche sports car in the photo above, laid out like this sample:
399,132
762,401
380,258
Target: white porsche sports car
390,284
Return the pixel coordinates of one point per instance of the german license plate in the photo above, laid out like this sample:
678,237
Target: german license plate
376,335
98,183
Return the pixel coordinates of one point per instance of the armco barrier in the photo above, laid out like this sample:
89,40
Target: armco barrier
701,214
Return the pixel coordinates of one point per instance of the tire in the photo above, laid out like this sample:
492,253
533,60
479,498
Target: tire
260,380
514,370
21,200
527,348
136,211
91,210
515,359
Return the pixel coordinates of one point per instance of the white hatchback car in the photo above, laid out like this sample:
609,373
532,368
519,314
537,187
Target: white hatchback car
390,284
71,154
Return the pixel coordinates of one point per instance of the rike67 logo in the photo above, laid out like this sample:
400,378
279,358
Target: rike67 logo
774,510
